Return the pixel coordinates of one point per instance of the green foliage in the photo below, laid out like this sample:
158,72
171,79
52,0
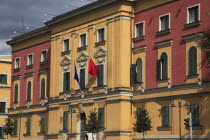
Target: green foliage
204,42
93,125
9,127
143,121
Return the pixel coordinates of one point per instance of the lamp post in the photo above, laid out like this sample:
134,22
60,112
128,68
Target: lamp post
180,117
71,111
20,115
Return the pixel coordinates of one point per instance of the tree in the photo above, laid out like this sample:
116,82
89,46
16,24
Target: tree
9,127
93,125
204,42
143,121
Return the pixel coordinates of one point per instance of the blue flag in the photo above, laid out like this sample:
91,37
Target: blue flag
76,77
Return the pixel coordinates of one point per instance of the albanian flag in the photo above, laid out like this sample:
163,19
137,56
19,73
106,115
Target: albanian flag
93,69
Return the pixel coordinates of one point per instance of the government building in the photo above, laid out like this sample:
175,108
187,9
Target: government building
148,57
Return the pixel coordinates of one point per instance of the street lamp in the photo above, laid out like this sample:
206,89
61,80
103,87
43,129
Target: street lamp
20,115
180,105
71,111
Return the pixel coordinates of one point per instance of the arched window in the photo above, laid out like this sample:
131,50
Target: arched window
139,70
29,91
16,94
43,88
162,67
192,61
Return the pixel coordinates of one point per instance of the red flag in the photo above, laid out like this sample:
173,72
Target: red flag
93,69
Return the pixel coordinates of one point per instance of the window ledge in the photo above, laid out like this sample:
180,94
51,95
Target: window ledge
82,48
189,25
99,87
14,135
64,131
192,76
138,38
29,66
64,92
100,43
163,80
85,89
16,69
41,133
44,62
138,83
65,52
199,127
27,134
167,31
164,128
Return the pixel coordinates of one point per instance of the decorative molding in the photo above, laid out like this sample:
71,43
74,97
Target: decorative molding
91,26
165,43
118,133
82,54
117,101
43,71
6,62
30,74
53,108
25,107
189,25
100,43
110,20
164,128
15,78
139,49
66,61
191,37
52,136
138,38
122,17
164,32
100,49
28,113
73,32
57,37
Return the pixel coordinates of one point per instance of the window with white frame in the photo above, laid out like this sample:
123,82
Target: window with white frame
44,56
193,14
66,45
139,29
101,35
3,78
17,63
2,107
164,22
30,60
83,40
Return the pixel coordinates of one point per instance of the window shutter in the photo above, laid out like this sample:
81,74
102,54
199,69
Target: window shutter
64,82
43,88
16,93
165,68
101,75
158,70
5,79
15,127
82,78
139,70
42,125
29,91
65,121
101,117
67,81
28,130
133,73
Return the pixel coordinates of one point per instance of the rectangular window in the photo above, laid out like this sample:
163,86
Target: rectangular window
17,63
139,30
30,60
44,56
42,126
15,127
65,120
1,132
193,14
194,109
82,78
101,117
164,23
165,116
2,107
66,81
100,77
66,45
83,40
101,35
28,126
3,78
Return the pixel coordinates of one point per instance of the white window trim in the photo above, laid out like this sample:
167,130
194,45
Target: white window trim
143,28
80,39
86,75
16,63
97,39
169,18
64,44
161,68
42,55
63,79
45,86
7,77
188,20
28,58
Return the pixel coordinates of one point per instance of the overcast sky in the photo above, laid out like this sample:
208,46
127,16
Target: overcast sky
33,12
